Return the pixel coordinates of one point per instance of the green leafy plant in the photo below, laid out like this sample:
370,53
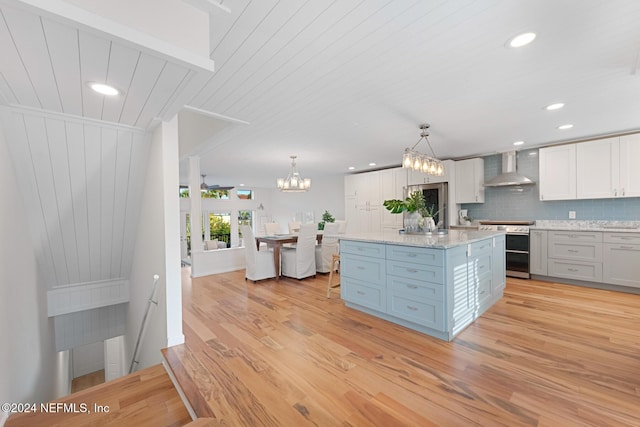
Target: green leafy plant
430,211
414,202
326,217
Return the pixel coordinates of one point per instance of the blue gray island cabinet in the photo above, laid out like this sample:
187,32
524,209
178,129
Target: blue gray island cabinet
434,284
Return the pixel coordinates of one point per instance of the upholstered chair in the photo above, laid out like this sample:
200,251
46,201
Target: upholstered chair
271,228
327,248
300,262
343,225
294,226
259,263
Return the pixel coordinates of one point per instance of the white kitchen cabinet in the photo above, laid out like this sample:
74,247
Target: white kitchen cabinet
597,169
392,183
363,204
621,259
469,181
558,172
538,252
575,255
415,177
629,170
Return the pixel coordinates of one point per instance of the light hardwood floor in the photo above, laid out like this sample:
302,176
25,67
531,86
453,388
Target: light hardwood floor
144,398
281,354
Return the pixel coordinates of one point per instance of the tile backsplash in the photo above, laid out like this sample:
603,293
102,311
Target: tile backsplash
523,203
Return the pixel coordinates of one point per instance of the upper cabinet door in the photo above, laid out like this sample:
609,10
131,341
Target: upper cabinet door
470,181
597,169
629,170
558,172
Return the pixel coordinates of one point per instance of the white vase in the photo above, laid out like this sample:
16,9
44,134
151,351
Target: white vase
429,224
412,221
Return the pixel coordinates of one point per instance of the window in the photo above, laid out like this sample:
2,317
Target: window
245,194
244,218
184,191
215,194
219,227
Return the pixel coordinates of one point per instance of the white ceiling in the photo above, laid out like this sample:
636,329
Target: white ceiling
344,83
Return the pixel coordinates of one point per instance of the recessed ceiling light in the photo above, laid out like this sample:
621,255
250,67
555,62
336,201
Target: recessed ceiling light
241,185
518,143
564,127
372,164
351,168
521,39
103,89
554,106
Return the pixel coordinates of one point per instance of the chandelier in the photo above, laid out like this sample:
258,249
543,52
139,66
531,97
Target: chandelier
417,161
293,182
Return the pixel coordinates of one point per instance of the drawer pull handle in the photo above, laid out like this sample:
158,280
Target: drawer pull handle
412,286
361,293
412,308
573,251
483,292
481,267
573,269
412,255
360,267
412,270
625,238
361,249
626,247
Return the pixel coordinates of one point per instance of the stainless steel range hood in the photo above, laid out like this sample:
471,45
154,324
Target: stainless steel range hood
509,174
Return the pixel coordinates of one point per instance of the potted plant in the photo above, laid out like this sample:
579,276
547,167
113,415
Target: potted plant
326,217
413,204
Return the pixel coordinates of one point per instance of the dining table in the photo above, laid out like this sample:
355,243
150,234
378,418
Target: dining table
275,242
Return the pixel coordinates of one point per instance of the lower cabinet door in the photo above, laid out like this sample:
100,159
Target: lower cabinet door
589,271
424,312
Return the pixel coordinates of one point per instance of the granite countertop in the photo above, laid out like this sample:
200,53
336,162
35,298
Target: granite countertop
577,225
452,239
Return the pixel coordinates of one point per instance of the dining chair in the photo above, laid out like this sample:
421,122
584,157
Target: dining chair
294,226
259,263
300,262
271,228
343,225
327,247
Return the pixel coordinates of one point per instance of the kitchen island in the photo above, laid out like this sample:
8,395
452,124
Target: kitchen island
435,284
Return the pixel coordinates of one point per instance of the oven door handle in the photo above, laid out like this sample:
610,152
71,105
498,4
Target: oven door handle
512,251
517,234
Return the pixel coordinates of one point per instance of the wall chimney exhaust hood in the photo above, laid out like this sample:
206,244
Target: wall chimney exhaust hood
509,174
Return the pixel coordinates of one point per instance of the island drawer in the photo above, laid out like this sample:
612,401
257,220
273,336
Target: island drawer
481,247
370,270
426,313
414,254
360,293
428,273
415,289
375,250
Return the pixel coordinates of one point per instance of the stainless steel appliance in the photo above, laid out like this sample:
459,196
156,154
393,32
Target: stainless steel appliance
517,243
434,195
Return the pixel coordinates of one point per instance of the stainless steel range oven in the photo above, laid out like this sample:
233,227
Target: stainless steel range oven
517,243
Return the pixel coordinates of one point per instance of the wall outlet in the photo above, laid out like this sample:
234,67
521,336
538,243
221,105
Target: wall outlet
572,214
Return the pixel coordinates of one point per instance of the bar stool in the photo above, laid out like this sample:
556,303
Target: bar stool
335,258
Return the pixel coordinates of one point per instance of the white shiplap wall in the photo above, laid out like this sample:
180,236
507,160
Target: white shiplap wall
81,182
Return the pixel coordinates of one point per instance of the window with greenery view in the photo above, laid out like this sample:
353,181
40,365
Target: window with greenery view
244,218
219,227
215,194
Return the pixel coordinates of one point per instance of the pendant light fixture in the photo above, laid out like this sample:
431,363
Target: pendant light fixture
293,183
417,161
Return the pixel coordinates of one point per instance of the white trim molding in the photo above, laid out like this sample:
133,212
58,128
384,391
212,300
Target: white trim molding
86,296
